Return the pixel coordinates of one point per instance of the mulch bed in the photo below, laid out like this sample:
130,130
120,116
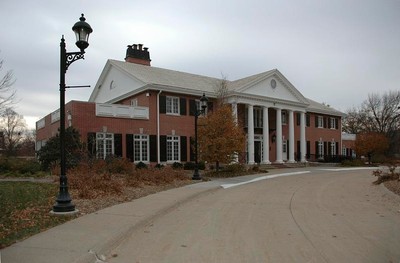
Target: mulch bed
393,185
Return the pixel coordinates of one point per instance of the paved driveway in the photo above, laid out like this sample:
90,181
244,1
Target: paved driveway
307,215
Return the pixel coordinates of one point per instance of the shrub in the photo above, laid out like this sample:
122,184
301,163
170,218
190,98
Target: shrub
159,166
177,165
88,184
20,167
117,165
355,162
189,166
141,165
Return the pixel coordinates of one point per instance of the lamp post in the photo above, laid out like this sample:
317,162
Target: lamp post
82,31
203,106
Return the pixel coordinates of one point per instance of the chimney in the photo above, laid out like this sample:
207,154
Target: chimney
137,55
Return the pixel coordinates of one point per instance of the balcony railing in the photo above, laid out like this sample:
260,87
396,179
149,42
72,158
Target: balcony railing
122,111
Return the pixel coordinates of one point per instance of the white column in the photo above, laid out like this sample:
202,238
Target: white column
265,159
291,137
234,112
279,136
302,137
250,134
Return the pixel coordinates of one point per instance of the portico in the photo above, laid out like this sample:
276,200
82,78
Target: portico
273,112
271,132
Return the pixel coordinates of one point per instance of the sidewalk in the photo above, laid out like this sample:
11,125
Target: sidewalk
99,231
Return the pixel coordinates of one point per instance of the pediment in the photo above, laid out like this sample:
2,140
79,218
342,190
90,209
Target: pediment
272,85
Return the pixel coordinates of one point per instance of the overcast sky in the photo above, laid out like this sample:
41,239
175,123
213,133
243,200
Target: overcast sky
332,51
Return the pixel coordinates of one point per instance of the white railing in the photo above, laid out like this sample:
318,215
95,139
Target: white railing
122,111
40,124
55,116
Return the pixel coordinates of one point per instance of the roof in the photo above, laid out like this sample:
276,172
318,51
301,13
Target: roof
193,84
165,77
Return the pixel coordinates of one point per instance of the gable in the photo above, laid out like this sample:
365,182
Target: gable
272,85
114,83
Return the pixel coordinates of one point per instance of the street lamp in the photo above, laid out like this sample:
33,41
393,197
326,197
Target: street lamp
203,106
82,31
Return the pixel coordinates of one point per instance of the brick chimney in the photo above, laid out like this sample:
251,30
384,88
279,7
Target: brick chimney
138,54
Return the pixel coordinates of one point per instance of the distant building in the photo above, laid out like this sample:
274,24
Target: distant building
348,142
145,113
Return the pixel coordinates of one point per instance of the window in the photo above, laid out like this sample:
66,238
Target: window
332,123
333,148
140,148
198,107
104,145
172,148
172,106
258,118
134,102
284,120
320,149
320,120
344,151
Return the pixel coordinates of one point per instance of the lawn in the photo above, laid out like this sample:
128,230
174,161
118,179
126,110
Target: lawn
24,210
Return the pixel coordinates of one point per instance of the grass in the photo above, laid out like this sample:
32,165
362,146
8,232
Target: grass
24,210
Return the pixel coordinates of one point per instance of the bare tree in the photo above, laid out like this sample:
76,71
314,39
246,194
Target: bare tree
378,113
7,92
13,127
221,91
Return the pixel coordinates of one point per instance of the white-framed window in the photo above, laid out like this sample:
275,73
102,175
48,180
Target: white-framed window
172,106
333,123
173,148
344,151
134,102
333,148
198,107
140,148
320,149
284,147
104,144
258,117
284,118
320,120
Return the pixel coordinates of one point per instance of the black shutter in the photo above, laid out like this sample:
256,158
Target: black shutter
210,106
91,143
163,148
299,154
329,122
183,148
298,118
325,148
163,104
192,107
182,106
337,148
192,149
316,120
316,149
308,120
118,145
153,148
129,147
325,122
337,123
308,150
